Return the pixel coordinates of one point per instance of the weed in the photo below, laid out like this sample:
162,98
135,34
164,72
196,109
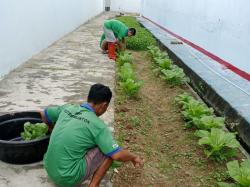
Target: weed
135,120
200,162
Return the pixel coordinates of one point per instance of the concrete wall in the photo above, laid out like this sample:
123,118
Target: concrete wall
133,6
221,27
28,26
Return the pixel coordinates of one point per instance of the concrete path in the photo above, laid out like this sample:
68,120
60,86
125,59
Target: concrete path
60,74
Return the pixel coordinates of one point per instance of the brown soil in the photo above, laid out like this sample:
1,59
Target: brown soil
151,126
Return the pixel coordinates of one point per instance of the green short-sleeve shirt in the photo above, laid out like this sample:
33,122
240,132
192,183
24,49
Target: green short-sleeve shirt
119,29
77,129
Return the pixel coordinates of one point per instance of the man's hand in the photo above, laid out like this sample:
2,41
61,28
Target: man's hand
125,156
44,119
138,162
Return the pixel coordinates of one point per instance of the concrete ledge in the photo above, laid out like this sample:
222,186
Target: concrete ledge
219,87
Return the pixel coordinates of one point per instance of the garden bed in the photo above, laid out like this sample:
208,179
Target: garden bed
151,125
161,118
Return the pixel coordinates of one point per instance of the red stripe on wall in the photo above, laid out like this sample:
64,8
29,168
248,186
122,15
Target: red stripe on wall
236,70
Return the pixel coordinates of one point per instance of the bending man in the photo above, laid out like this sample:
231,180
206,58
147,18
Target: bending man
114,33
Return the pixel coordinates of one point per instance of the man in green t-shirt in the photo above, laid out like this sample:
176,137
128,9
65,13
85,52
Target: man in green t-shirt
81,144
114,33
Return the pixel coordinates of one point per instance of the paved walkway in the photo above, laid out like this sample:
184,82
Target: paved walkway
59,74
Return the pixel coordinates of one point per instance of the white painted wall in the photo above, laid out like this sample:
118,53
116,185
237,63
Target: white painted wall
220,26
28,26
133,6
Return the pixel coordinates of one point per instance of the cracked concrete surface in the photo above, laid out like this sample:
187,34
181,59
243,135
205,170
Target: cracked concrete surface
59,74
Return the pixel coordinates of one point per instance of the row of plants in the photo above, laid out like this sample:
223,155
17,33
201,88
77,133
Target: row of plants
218,144
127,78
165,68
143,37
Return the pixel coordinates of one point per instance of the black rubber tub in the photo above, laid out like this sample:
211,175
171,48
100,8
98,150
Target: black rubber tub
12,148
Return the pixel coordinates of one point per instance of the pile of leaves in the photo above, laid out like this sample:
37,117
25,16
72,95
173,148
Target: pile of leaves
34,131
127,78
142,39
218,144
164,67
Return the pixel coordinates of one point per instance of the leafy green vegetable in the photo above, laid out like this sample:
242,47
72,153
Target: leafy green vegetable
219,144
124,58
126,72
171,73
34,131
160,55
240,173
195,109
208,122
174,76
152,50
163,63
223,184
184,99
127,76
131,87
198,114
142,39
156,54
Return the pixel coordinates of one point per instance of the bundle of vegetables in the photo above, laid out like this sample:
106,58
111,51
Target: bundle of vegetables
163,66
34,131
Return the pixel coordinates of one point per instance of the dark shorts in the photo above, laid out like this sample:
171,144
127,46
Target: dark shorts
94,158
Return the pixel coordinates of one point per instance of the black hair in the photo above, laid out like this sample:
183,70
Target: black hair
99,93
133,31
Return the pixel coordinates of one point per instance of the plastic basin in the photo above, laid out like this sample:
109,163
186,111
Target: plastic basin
12,148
